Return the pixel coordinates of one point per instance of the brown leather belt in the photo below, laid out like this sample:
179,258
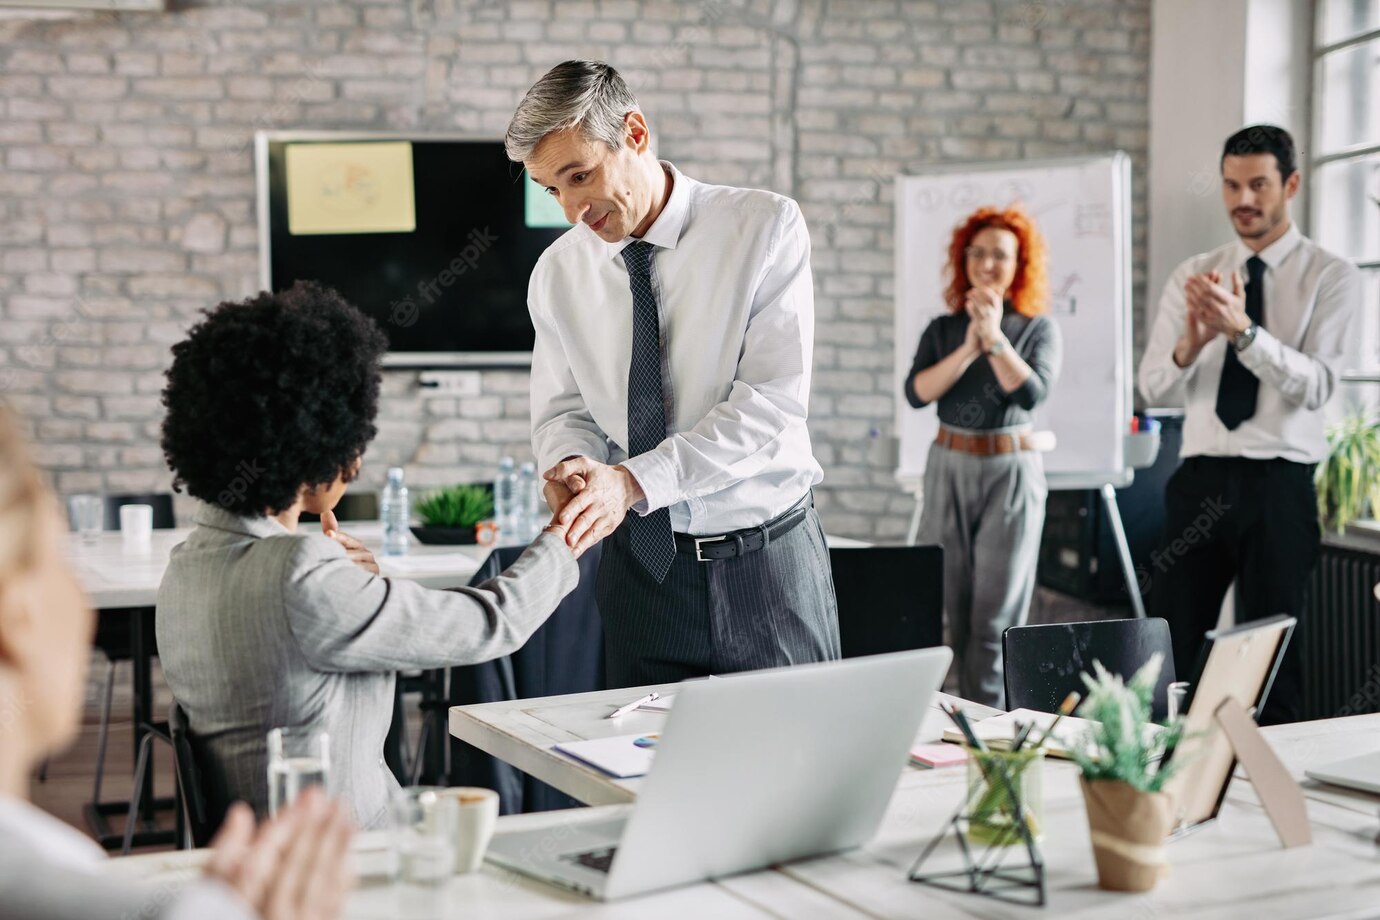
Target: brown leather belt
986,444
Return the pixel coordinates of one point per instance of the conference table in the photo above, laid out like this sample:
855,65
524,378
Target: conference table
1229,868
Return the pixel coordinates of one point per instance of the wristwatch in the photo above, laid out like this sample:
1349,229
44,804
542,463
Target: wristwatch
1242,340
997,348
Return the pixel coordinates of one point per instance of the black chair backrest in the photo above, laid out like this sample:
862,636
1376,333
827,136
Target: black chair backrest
353,506
1044,663
193,798
890,598
162,503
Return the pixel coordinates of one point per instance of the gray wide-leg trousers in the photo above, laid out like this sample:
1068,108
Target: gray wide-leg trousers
988,513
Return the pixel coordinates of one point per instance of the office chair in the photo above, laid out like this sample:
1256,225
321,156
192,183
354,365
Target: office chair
161,502
1044,663
353,506
890,598
113,632
193,808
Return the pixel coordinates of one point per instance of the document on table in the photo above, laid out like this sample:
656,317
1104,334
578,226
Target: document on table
999,731
427,563
621,757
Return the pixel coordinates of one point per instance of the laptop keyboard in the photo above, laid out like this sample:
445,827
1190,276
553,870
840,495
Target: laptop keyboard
599,860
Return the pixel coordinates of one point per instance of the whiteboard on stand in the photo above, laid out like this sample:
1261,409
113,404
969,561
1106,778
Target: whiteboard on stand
1083,208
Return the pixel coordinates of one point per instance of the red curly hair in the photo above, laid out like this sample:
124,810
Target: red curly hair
1029,292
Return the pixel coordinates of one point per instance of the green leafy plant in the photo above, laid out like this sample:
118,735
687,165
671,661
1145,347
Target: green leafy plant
1348,480
456,506
1123,746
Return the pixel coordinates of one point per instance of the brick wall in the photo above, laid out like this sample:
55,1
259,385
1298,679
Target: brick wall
127,189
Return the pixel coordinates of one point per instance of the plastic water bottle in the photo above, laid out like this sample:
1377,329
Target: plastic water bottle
396,513
527,498
505,501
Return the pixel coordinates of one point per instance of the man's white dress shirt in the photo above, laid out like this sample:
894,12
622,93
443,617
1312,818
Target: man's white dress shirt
732,278
1311,298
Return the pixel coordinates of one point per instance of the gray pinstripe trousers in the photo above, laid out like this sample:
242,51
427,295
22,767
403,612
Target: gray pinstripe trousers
766,609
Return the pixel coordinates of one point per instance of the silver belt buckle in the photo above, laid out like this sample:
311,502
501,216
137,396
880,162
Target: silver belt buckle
700,541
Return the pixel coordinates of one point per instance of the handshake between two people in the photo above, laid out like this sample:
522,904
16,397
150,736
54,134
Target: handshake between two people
588,500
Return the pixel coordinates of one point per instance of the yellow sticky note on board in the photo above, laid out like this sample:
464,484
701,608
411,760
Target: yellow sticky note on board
350,188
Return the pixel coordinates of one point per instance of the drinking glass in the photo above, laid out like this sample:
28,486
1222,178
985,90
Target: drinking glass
88,516
424,822
297,758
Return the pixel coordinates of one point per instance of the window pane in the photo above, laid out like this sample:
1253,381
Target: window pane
1363,347
1343,18
1350,97
1346,208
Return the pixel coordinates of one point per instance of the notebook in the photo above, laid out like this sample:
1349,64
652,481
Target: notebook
622,757
999,731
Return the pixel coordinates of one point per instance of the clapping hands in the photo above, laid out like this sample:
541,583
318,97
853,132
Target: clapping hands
292,867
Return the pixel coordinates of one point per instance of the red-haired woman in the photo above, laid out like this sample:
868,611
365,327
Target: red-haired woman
987,364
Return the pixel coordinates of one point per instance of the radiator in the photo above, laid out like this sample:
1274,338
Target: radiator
1340,634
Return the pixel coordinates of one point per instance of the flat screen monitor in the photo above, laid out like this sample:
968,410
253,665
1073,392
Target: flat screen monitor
433,237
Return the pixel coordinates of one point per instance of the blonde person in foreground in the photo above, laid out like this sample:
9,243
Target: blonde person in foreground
291,868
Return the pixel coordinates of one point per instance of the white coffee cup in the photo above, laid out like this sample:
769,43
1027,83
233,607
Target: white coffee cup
476,813
136,525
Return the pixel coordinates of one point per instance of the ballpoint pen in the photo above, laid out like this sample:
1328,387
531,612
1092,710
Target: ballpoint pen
624,710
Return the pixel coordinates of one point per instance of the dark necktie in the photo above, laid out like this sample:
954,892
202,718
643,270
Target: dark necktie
1237,390
653,543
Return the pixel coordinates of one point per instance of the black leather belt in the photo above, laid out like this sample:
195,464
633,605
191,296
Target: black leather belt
747,540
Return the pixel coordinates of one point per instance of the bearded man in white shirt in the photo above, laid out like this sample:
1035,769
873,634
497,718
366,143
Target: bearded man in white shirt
670,382
1255,331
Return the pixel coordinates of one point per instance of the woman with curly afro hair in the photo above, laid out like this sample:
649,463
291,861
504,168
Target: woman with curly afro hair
270,406
988,364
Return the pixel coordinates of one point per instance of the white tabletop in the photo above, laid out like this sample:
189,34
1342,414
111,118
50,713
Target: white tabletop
1232,867
522,732
499,894
115,575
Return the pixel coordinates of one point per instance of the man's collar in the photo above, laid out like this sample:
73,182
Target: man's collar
666,230
1274,254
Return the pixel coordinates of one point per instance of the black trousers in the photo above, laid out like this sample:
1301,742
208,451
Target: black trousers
1255,521
766,609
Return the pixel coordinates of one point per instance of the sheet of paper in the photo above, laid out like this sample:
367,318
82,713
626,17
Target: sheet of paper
350,188
998,731
427,563
622,757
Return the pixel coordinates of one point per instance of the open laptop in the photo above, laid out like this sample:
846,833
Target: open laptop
1359,773
755,769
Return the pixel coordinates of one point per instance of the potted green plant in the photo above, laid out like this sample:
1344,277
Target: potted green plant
449,515
1129,814
1348,479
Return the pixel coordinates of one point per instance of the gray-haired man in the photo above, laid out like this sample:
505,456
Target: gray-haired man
670,377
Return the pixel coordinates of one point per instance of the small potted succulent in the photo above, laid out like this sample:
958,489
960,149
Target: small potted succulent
1129,814
449,515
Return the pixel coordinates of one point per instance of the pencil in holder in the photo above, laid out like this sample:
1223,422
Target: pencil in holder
1004,788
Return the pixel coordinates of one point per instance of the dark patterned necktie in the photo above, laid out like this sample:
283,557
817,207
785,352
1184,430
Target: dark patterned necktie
653,544
1237,390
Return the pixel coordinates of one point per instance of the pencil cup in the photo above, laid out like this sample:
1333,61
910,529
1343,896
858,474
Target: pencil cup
1001,783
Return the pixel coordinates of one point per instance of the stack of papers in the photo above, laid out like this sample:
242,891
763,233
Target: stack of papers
998,732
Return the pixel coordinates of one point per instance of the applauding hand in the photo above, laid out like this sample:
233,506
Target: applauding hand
292,867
